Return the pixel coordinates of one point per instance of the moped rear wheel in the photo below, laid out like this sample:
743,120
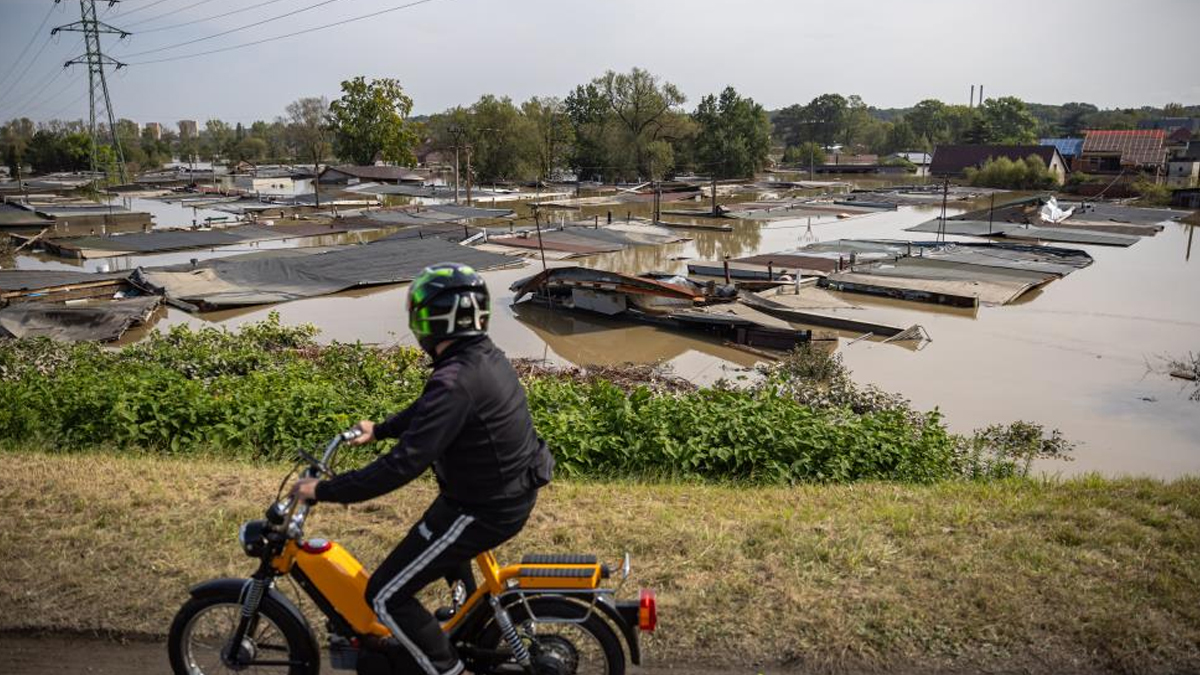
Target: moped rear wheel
204,626
567,638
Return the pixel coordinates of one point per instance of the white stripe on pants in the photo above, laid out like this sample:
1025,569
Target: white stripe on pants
455,530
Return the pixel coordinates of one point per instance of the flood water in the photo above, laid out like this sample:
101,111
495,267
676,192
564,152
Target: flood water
1082,355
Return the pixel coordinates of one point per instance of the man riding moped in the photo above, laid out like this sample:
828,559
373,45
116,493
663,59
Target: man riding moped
472,425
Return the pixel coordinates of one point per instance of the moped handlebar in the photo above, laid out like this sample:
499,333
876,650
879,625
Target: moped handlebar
297,511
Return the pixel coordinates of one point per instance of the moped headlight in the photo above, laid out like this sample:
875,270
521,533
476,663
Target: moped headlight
252,537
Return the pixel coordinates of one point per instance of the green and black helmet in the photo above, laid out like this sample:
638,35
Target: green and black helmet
447,301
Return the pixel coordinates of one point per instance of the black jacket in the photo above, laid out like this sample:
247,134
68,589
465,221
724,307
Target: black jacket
471,423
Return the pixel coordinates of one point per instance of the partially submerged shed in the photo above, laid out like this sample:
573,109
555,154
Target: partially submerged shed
672,303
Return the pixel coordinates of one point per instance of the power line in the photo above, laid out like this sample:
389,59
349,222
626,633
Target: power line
13,86
156,17
27,97
138,9
45,85
32,39
234,30
200,20
71,82
285,35
72,104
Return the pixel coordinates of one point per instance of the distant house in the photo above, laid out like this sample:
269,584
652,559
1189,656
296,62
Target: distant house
1069,148
1110,151
1183,168
1179,136
350,175
430,155
954,160
851,159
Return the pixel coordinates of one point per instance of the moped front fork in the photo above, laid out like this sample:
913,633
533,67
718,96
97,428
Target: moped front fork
251,600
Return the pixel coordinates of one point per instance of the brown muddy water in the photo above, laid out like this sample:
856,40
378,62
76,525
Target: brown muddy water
1085,354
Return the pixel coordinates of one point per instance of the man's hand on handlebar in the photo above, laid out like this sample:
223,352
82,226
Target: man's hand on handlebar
367,427
305,489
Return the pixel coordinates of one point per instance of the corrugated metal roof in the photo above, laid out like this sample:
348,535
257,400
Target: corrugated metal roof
1136,147
1067,147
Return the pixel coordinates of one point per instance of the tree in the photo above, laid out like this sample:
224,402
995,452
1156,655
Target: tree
588,112
1009,121
307,131
792,125
370,119
928,119
503,143
1073,118
552,129
13,159
734,135
217,139
960,120
647,112
249,149
807,154
1174,110
901,137
827,114
856,120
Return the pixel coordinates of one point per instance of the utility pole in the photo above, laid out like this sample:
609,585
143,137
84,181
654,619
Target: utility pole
457,131
714,195
468,149
96,59
456,173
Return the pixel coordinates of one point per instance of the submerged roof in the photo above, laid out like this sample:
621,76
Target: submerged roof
614,282
383,173
952,159
1140,146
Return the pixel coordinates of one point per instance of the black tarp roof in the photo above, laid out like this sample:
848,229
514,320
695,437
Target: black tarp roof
28,280
103,322
280,276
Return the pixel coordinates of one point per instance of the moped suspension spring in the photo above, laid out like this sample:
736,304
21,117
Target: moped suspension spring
509,631
253,596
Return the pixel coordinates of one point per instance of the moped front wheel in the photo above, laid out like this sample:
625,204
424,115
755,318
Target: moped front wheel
201,632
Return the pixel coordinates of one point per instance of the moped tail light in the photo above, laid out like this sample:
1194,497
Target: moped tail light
647,611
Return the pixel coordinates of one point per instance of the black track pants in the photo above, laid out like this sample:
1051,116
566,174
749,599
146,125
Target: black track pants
446,538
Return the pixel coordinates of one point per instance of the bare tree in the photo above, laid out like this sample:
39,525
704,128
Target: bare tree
309,134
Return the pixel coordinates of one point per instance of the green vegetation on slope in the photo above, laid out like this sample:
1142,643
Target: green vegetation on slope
268,389
1081,576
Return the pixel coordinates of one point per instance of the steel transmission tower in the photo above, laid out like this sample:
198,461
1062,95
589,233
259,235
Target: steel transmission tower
96,60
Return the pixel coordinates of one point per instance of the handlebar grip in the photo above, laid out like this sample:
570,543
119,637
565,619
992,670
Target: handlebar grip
352,433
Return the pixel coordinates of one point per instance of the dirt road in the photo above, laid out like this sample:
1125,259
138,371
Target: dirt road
22,655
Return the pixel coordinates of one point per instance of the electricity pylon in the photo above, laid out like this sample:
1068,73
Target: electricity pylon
96,60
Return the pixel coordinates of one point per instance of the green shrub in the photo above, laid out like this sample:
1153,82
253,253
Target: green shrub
1151,193
267,389
1027,174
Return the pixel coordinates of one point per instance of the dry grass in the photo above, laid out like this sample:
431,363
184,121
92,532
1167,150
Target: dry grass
1084,575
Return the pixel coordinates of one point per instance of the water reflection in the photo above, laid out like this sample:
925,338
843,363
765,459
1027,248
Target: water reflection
596,339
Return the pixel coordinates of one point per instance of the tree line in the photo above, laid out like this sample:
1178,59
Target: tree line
617,127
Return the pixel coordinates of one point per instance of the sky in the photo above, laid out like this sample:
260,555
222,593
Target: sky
893,53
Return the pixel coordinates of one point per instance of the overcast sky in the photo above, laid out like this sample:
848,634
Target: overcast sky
447,52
